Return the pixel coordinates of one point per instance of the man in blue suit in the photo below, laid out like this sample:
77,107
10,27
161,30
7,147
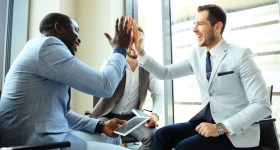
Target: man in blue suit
232,88
34,106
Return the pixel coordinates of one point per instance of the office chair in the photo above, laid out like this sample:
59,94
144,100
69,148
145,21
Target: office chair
269,138
46,146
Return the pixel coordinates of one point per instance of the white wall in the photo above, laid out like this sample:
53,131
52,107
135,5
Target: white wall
39,9
94,18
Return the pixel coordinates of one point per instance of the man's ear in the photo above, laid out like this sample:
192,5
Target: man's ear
218,26
58,27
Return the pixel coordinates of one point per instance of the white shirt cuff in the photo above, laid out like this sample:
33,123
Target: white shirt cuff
228,126
142,59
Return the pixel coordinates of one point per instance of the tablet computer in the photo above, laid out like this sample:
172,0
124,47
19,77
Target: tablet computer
131,125
139,113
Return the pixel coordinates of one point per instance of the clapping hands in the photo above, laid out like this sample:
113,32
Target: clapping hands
123,34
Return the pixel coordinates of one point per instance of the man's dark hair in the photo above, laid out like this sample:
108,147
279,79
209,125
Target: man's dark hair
216,14
48,22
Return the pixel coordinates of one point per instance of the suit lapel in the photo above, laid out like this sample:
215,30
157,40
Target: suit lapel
202,67
221,53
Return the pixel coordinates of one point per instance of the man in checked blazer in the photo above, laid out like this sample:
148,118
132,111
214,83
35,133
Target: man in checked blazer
234,96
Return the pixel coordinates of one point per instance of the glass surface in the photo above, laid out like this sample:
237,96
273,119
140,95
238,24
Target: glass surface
150,18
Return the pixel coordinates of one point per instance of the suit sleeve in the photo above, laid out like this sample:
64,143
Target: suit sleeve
156,94
81,123
170,72
255,88
58,64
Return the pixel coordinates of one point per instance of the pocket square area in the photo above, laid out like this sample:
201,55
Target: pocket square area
225,73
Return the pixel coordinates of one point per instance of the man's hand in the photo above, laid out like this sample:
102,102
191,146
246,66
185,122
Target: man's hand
111,125
152,122
207,129
123,35
139,46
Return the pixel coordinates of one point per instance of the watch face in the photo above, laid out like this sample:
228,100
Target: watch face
101,123
220,128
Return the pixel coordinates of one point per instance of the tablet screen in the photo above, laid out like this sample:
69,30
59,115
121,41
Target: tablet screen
131,125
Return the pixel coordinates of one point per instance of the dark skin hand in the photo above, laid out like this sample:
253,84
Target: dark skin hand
123,36
111,125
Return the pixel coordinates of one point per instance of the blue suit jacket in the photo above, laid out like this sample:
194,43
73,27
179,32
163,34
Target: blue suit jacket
33,106
236,89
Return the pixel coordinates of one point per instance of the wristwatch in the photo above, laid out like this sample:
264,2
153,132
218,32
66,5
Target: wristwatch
99,127
220,128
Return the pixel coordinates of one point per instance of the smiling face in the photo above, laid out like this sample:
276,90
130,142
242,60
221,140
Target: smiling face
71,36
207,35
62,27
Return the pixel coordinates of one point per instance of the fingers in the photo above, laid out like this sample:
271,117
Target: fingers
198,127
150,124
201,129
130,32
126,24
116,26
121,122
121,24
108,37
207,129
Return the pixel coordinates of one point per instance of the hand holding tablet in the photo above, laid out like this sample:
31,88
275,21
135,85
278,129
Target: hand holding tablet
131,125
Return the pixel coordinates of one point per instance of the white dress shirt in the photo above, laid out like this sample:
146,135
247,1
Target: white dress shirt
130,97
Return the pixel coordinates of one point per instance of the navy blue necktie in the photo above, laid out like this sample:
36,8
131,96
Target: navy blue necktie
208,74
208,66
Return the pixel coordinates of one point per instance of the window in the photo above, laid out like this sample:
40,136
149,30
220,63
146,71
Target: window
150,18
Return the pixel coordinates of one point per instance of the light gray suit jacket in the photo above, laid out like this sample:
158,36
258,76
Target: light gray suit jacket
33,106
236,89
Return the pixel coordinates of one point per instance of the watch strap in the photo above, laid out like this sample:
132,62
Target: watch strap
99,126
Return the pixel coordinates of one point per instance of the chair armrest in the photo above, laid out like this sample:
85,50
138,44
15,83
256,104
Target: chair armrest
43,146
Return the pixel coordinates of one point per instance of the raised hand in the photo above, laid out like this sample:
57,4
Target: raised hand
123,35
139,46
111,125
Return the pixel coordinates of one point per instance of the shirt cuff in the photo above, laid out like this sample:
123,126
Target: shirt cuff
228,126
142,59
121,51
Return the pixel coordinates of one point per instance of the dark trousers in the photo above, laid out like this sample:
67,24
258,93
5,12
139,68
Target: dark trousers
182,136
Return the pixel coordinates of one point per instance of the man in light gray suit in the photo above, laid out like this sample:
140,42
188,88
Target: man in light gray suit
232,88
34,106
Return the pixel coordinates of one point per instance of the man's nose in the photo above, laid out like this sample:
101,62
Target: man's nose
195,28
